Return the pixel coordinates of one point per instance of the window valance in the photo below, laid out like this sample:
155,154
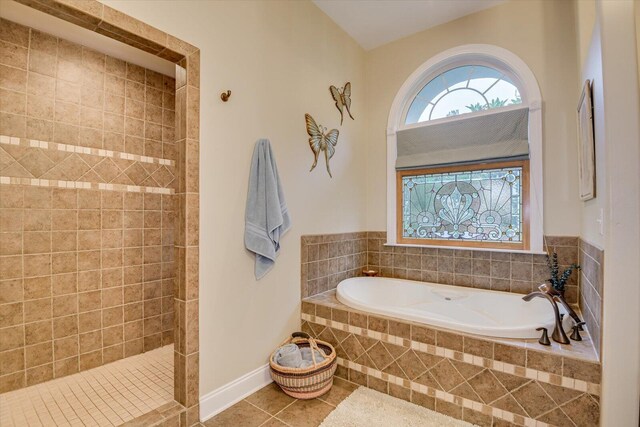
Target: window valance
494,136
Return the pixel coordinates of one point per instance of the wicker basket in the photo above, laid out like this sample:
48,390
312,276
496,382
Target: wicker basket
305,383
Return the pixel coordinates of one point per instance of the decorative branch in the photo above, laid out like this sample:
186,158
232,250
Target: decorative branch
558,281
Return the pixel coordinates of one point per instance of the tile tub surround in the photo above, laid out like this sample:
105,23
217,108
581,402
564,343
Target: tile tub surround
325,262
457,373
327,259
114,24
502,271
591,287
87,159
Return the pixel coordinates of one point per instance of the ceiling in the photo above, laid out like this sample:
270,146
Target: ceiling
373,23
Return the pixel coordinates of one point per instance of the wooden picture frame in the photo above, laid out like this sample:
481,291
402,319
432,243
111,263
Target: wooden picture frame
586,146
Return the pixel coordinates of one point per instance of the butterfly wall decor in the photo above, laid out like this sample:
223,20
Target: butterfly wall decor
321,140
342,97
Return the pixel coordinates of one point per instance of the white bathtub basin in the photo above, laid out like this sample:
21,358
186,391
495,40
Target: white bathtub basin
475,311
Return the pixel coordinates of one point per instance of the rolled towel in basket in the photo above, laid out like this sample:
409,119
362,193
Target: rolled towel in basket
288,356
306,355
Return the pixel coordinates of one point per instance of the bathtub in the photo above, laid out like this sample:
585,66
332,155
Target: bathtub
475,311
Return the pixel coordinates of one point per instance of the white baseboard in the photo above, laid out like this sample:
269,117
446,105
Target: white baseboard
220,399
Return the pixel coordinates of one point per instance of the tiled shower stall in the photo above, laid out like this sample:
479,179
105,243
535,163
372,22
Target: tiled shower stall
87,208
99,218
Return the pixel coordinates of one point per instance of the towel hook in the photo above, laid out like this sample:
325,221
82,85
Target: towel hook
225,96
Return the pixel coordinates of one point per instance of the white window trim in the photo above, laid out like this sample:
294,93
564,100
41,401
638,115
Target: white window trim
522,76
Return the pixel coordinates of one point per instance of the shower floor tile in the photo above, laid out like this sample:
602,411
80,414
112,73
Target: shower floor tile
105,396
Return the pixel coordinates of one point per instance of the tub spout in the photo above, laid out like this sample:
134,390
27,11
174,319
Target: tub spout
560,298
558,334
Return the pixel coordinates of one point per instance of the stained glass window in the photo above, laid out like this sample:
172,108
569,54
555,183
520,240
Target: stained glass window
463,90
483,205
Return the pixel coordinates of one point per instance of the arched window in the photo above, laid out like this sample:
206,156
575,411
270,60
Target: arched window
462,90
464,153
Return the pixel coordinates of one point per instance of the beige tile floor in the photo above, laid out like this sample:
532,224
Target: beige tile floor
270,407
105,396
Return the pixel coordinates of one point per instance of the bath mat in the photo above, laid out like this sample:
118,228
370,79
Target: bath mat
368,408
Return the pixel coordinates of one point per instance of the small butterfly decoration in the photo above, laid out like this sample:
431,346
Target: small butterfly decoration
321,140
342,97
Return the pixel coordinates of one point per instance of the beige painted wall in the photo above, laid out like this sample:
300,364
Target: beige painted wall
585,19
606,44
590,66
278,58
590,63
542,34
593,211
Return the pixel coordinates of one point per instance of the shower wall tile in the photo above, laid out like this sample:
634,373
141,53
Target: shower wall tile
86,272
99,290
89,101
327,259
591,286
56,162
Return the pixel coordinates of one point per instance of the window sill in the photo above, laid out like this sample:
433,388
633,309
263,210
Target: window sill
466,248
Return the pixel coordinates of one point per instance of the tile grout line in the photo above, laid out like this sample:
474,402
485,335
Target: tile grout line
274,415
262,410
282,410
22,257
